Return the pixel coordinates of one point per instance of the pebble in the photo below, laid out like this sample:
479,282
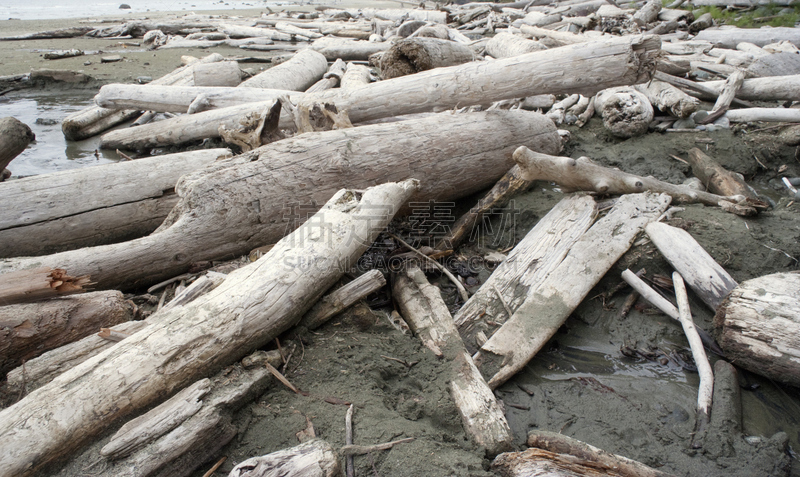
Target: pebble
124,6
143,79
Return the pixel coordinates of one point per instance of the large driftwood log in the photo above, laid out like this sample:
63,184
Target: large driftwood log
757,326
348,49
426,313
547,307
39,283
730,37
716,178
222,73
297,74
93,205
28,330
702,273
14,138
504,45
668,98
240,204
94,120
420,54
193,341
525,268
314,458
625,111
474,83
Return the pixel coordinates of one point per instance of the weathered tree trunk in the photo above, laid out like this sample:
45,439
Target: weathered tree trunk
355,77
730,37
314,458
297,74
28,330
39,283
331,79
474,83
14,138
525,269
547,307
347,49
779,115
716,178
193,341
668,98
398,14
425,311
757,326
704,276
648,13
94,119
71,32
541,463
241,31
504,45
420,54
626,112
340,299
239,204
223,73
93,205
562,37
732,85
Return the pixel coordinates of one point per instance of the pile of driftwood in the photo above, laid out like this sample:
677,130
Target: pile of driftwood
316,129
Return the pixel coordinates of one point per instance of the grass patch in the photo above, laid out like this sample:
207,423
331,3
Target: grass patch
768,15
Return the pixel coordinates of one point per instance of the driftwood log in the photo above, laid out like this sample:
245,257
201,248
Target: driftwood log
340,299
14,138
355,76
625,111
237,205
314,458
474,83
757,326
426,313
40,283
348,49
730,37
28,330
93,205
193,341
298,74
504,45
668,98
716,178
420,54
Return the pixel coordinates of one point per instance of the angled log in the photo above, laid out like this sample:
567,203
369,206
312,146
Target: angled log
547,307
710,282
716,178
413,55
668,98
14,138
732,85
504,45
193,341
298,74
342,298
314,458
757,326
426,313
40,283
525,268
348,49
331,79
474,83
28,330
93,205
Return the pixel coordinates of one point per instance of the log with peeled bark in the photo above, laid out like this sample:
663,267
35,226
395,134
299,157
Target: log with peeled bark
28,330
298,74
716,178
727,37
626,60
426,313
254,305
525,268
236,205
757,326
668,98
413,55
710,282
14,138
94,120
626,112
93,205
504,45
348,49
314,458
39,283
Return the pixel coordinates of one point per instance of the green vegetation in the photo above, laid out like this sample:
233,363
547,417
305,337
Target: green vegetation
753,18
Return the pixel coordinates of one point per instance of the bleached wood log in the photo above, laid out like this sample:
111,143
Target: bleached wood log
297,74
314,458
223,73
199,287
423,308
726,419
688,47
592,456
355,77
526,267
28,330
39,283
348,49
780,115
732,85
710,282
547,307
241,31
706,388
668,98
413,55
504,45
340,299
297,32
398,14
331,79
562,37
14,138
195,340
478,83
626,112
757,326
648,13
728,37
94,120
93,205
716,178
281,171
70,32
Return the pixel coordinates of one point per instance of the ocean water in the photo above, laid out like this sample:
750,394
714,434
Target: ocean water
47,9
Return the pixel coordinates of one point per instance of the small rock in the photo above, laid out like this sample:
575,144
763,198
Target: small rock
143,79
87,63
110,59
124,6
46,121
687,123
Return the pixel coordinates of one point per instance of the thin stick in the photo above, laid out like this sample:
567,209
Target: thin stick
161,300
216,466
361,450
503,301
349,464
461,290
125,156
281,378
167,282
706,389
